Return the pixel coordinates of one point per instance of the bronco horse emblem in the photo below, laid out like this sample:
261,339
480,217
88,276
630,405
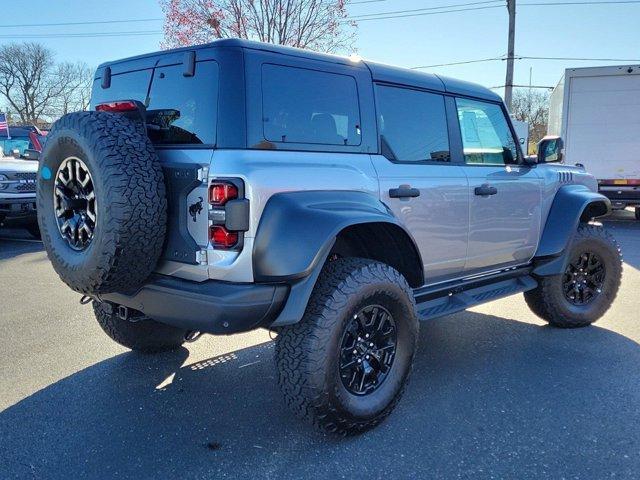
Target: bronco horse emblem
196,208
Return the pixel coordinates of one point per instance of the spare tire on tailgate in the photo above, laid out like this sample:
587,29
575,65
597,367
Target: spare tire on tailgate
101,202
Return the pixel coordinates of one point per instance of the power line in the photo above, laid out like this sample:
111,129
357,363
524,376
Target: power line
596,2
423,14
97,22
415,10
464,62
579,59
82,35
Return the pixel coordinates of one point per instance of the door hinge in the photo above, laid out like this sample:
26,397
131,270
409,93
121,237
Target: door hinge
203,174
201,257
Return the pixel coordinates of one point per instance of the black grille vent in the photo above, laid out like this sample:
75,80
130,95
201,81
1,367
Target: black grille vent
25,175
565,177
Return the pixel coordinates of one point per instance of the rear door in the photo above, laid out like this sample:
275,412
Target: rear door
420,180
504,194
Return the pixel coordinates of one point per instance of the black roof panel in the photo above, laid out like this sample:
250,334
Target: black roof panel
379,72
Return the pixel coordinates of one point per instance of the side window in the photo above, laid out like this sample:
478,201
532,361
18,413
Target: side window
183,110
412,125
308,106
486,136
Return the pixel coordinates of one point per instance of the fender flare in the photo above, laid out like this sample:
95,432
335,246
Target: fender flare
571,205
298,229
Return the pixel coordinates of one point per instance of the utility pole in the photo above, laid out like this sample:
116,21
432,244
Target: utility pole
508,84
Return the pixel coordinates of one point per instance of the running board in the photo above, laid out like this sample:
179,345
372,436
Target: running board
464,296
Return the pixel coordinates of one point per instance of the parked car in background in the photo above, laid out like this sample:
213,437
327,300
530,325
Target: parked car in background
596,110
18,194
22,142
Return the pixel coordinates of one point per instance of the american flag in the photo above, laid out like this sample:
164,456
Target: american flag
3,123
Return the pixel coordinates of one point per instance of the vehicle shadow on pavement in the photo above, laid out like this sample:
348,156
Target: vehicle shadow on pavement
488,397
10,247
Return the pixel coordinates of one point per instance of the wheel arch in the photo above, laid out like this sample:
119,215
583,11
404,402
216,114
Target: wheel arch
383,241
298,230
572,205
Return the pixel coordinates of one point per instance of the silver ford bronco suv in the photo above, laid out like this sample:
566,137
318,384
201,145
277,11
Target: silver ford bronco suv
237,185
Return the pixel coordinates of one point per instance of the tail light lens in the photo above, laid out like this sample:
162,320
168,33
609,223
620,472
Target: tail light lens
221,192
221,237
116,107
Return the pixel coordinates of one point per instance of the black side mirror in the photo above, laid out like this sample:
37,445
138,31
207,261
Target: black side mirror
550,149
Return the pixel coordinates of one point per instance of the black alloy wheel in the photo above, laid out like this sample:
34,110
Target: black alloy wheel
583,279
367,349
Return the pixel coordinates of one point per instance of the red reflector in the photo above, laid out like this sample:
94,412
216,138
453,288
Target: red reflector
126,106
221,237
221,193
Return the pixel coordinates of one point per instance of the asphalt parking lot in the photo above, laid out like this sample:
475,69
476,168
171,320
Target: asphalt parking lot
494,394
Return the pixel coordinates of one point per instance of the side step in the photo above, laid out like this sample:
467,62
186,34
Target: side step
461,297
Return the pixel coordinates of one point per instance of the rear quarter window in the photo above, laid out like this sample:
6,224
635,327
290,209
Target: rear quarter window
309,106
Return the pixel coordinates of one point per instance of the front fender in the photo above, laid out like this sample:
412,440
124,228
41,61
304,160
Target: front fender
571,205
298,229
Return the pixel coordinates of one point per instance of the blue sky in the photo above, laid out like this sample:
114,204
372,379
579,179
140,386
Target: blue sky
594,31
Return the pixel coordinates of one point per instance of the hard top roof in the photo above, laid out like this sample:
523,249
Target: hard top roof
379,72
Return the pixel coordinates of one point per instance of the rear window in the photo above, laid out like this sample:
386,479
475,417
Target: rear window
308,106
124,86
180,110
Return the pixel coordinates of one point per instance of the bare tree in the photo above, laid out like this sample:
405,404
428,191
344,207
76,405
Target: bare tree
532,106
320,25
36,88
77,92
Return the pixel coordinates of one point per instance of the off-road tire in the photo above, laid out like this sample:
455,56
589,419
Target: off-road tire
547,300
144,335
307,352
130,202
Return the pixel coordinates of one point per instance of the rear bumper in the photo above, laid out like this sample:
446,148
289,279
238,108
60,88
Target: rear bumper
621,196
208,307
17,210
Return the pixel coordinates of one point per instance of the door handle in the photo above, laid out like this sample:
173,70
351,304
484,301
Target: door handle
404,191
485,190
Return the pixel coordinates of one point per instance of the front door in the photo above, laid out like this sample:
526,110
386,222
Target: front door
504,194
418,180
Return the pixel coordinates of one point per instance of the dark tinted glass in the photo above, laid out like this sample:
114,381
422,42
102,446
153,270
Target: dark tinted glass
412,125
486,137
124,86
183,110
308,106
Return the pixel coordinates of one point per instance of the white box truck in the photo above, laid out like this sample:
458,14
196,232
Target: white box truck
596,110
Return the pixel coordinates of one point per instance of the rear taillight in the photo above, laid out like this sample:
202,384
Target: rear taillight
228,213
115,107
221,192
222,238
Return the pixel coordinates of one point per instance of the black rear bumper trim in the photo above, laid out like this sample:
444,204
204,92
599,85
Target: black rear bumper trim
209,307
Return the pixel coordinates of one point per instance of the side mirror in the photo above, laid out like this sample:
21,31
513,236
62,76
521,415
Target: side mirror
550,149
31,154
